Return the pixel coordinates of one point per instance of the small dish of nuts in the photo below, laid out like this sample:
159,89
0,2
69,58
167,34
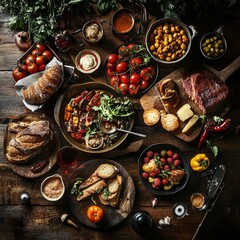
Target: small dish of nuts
213,45
169,40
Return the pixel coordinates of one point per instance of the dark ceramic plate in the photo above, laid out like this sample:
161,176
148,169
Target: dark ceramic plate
64,99
112,215
141,91
184,165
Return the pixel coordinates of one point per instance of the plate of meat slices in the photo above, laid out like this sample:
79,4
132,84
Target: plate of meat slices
31,143
188,93
104,183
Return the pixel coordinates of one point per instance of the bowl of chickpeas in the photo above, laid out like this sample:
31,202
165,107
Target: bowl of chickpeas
213,45
169,40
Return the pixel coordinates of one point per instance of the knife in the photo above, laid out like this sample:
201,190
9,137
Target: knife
216,181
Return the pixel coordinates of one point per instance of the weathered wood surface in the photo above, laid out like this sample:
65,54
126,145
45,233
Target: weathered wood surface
41,219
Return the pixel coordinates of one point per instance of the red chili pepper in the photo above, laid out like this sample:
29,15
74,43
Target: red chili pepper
222,127
37,167
203,137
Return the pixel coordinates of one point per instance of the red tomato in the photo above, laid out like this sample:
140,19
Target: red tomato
41,68
123,88
35,52
152,70
40,47
24,67
110,72
47,55
114,81
112,58
110,66
145,74
124,78
135,78
133,89
33,68
40,60
131,45
123,51
143,84
30,59
135,63
19,73
95,213
122,67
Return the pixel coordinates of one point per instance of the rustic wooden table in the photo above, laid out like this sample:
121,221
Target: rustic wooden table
41,219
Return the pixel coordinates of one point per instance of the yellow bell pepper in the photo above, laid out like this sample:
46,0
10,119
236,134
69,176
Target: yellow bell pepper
200,162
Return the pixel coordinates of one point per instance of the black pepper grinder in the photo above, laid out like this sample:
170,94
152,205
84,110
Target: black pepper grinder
25,198
141,222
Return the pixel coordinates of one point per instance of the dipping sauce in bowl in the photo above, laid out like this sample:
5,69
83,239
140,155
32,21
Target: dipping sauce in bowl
87,61
53,188
198,201
123,21
92,31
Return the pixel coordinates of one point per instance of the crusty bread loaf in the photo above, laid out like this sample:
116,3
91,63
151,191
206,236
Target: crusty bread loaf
151,116
44,87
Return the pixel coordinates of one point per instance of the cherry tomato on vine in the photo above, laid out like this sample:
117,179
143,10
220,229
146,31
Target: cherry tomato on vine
112,58
122,67
33,68
123,88
19,73
40,47
131,45
114,81
95,213
143,84
135,78
110,66
133,89
24,67
35,52
124,78
135,63
152,70
40,60
145,74
41,67
110,72
123,52
30,59
47,55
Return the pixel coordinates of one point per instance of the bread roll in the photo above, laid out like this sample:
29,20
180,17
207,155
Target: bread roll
169,121
44,87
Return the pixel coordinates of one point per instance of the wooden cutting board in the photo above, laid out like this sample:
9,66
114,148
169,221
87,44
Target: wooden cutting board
151,98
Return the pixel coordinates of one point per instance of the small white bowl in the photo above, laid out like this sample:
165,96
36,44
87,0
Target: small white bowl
87,61
52,188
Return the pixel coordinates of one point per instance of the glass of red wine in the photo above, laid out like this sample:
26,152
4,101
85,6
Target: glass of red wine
68,159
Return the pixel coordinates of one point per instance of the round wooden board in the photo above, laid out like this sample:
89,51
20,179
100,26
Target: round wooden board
112,216
49,151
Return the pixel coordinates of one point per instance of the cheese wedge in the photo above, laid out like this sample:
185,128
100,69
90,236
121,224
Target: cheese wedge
190,123
184,112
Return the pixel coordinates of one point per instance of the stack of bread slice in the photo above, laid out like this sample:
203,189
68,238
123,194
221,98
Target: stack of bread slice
106,181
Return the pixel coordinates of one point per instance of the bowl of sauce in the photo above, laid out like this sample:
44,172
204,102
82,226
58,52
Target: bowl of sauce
52,187
198,201
87,61
92,31
123,22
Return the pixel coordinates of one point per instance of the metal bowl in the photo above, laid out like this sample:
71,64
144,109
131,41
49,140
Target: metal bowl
190,35
64,99
184,165
218,34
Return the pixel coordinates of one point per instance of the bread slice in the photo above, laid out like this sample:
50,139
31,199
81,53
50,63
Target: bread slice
113,185
106,170
94,188
151,116
91,180
169,121
114,201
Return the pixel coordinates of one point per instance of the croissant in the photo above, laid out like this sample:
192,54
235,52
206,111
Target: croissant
44,87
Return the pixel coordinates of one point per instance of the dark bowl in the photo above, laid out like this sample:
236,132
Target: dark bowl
214,38
190,35
64,99
184,165
141,91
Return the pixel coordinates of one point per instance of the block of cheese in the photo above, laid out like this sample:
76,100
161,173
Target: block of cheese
190,123
184,112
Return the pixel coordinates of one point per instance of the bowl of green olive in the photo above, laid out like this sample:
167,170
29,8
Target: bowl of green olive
213,45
